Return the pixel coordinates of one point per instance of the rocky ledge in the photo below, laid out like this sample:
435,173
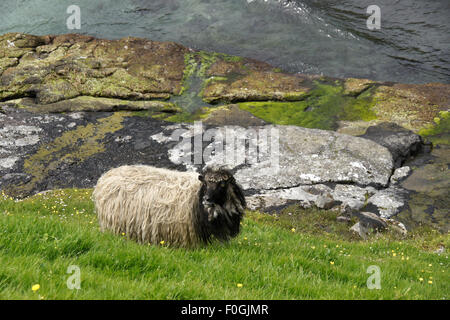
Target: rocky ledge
72,107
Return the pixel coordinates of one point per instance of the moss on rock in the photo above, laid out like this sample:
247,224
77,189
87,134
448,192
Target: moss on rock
411,106
55,68
88,103
354,87
439,131
323,108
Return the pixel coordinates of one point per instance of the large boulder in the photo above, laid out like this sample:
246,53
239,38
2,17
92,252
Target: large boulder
402,143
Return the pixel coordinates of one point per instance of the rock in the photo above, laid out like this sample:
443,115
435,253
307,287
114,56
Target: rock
400,174
57,68
397,226
311,156
304,157
325,201
440,250
232,115
255,86
343,219
402,143
388,202
354,86
352,197
86,103
428,186
267,203
41,152
360,230
355,128
370,222
8,162
15,178
306,196
412,106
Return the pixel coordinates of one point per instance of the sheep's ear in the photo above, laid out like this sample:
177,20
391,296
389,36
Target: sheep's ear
201,178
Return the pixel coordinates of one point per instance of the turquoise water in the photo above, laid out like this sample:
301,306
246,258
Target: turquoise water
327,37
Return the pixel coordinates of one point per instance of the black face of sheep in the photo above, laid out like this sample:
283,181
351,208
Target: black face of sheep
223,203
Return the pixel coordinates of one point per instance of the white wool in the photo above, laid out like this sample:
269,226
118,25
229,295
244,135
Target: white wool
149,204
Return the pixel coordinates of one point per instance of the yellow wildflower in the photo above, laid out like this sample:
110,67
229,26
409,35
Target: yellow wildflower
239,285
35,287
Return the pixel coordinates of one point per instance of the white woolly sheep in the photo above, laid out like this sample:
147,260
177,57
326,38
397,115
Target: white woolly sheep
151,205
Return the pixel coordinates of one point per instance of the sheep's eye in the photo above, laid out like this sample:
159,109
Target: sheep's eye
222,184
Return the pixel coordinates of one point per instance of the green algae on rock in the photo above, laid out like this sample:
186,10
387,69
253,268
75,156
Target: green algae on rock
87,103
439,131
411,106
54,68
324,106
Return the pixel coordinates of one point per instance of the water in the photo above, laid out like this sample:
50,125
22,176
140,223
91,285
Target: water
327,37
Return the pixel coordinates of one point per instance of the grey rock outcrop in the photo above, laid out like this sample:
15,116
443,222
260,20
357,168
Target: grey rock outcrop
401,142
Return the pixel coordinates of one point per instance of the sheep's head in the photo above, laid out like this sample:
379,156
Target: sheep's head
216,183
223,202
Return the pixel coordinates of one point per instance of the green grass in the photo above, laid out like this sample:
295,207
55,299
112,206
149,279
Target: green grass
45,234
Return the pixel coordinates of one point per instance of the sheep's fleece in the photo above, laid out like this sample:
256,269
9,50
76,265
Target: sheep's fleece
149,204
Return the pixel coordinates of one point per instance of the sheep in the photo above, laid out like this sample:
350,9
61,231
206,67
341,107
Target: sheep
155,205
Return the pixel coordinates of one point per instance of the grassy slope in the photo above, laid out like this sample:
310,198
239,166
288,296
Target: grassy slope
43,235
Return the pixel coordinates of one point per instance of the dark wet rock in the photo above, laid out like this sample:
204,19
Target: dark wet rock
15,178
65,156
428,186
402,143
